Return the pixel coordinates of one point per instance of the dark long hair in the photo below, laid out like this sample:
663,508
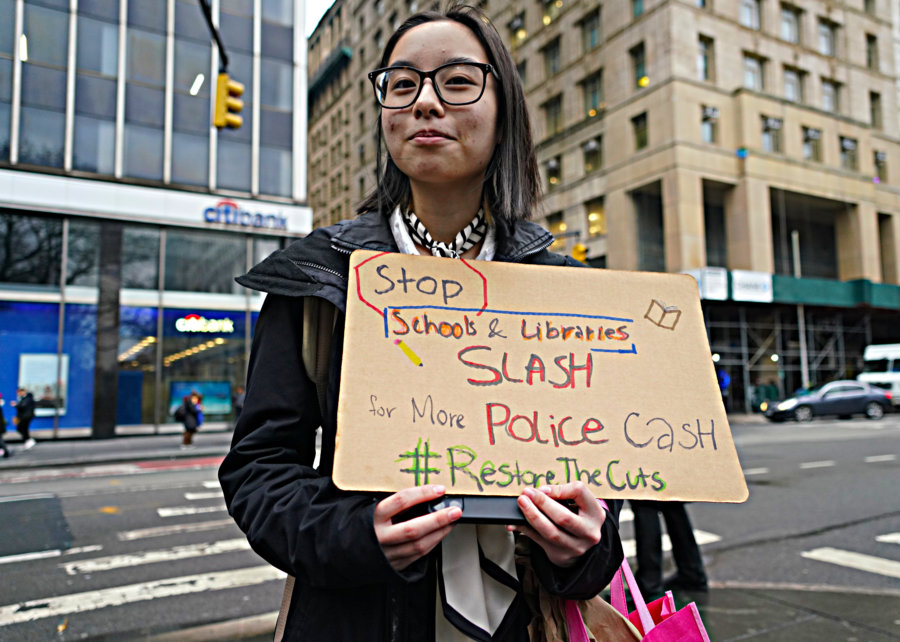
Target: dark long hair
512,185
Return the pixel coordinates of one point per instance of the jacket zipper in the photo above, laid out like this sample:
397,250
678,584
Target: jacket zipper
322,268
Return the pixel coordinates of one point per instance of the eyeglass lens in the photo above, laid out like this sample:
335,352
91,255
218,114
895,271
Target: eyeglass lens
455,84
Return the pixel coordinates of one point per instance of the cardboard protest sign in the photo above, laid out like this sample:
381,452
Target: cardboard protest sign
490,377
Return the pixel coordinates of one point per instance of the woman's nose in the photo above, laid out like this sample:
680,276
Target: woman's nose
428,101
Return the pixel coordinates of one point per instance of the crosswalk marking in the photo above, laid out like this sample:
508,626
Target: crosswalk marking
119,595
152,557
41,555
158,531
702,537
817,464
858,561
889,538
212,484
196,496
749,472
177,511
874,459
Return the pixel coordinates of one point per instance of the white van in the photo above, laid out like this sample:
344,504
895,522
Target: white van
882,368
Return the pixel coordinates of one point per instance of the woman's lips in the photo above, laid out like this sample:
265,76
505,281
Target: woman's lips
429,136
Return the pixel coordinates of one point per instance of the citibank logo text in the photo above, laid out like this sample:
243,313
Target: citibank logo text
196,323
230,213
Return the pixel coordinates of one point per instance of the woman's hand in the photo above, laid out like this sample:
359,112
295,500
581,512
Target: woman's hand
405,542
565,536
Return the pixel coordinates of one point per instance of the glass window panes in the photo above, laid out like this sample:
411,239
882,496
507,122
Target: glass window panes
557,226
276,84
144,105
98,46
790,23
749,13
5,106
95,142
880,162
189,21
190,158
705,58
275,171
871,52
30,249
236,30
148,15
278,11
593,154
830,96
812,150
849,157
276,128
551,58
95,96
554,172
7,8
42,133
553,115
875,110
105,9
140,258
639,129
639,66
753,78
146,57
596,217
45,35
43,87
771,134
827,37
591,34
277,41
204,261
233,164
83,256
709,118
143,151
793,88
593,94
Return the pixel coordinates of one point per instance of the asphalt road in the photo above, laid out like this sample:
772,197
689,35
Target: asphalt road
814,554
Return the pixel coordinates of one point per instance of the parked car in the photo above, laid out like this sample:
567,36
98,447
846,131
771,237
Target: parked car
841,398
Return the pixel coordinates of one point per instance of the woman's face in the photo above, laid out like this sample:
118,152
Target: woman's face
434,144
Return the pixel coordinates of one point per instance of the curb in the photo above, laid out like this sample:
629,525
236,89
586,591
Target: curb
248,627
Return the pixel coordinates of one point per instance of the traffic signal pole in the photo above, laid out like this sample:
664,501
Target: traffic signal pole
228,92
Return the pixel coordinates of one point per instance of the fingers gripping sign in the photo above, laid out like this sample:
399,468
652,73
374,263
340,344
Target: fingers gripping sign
564,535
405,542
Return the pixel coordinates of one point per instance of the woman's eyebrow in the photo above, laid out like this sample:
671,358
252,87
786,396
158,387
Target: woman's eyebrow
409,63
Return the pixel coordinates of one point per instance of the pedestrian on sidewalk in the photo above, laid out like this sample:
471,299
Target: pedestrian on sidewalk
690,574
460,181
24,404
4,449
191,416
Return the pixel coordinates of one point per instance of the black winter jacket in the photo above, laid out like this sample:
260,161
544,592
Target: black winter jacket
292,513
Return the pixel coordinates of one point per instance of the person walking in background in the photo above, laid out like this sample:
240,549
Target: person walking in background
24,404
238,403
690,574
724,380
191,416
4,449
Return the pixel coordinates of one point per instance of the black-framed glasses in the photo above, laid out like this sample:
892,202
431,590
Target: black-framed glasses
456,83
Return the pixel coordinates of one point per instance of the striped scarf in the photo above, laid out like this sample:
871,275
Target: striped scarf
467,238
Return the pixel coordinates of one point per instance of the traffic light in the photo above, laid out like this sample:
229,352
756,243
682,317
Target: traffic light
579,252
228,102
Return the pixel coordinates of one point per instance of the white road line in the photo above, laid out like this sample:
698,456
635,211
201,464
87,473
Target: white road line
177,511
42,555
874,459
212,484
196,496
749,472
702,537
860,562
142,533
152,557
889,538
625,515
817,464
116,596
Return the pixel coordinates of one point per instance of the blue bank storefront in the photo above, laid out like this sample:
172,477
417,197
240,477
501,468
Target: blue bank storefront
115,306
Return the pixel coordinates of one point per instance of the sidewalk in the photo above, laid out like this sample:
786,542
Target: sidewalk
731,611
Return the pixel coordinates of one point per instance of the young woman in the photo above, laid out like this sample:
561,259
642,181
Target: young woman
460,179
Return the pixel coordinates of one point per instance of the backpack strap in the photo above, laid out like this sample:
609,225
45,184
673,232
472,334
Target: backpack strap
319,320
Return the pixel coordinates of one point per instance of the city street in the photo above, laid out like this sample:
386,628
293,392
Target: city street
813,555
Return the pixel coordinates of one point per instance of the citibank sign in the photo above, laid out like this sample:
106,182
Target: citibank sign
230,213
196,323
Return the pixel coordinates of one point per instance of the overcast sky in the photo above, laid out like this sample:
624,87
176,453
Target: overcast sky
315,9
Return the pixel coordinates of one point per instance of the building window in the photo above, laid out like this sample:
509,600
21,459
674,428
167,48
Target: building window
831,96
872,52
790,23
551,58
639,66
875,109
641,135
753,72
849,156
592,87
709,119
591,33
557,227
554,173
551,9
521,69
637,8
750,14
593,155
880,167
771,135
553,115
793,85
517,31
705,59
827,37
596,217
702,4
869,6
812,149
